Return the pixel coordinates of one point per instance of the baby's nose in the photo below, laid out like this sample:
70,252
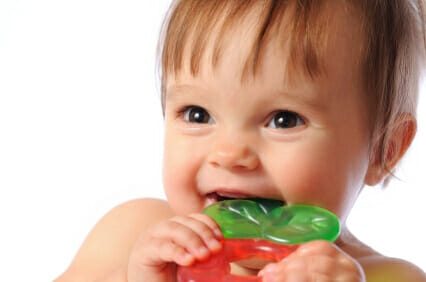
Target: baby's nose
233,156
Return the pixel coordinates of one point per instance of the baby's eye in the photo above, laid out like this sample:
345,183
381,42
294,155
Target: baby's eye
285,119
196,114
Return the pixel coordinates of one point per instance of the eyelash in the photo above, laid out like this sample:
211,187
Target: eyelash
183,112
296,121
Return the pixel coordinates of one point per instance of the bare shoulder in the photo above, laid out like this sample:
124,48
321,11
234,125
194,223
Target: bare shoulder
380,268
108,245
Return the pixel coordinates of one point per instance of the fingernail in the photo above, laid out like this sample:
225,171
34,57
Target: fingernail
267,273
202,251
187,259
270,268
218,233
214,244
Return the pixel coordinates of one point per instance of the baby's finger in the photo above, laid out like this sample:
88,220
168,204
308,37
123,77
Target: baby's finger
324,248
183,236
202,229
317,248
279,272
163,250
210,222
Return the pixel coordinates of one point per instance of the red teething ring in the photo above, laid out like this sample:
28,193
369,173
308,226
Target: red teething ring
217,268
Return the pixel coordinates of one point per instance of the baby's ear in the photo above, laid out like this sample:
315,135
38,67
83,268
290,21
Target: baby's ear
398,140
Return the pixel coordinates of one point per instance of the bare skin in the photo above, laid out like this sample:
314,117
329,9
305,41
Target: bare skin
105,253
227,138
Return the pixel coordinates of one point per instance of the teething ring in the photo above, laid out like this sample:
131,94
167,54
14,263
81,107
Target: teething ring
259,229
217,268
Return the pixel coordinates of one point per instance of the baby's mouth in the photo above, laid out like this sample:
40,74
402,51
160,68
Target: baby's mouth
219,196
222,196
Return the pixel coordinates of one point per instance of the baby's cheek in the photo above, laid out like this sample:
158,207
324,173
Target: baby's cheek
309,179
179,175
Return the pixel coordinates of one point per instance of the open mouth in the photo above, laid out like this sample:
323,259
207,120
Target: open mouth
214,197
222,196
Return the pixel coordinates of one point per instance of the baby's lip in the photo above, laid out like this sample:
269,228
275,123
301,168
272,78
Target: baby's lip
221,195
229,194
232,193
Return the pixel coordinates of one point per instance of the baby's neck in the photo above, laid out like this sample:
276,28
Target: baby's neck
352,246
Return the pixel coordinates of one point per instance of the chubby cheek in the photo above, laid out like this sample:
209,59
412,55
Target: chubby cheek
180,166
316,176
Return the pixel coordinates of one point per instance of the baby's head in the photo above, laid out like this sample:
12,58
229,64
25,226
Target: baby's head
305,101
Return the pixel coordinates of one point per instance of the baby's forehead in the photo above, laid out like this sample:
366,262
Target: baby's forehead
304,42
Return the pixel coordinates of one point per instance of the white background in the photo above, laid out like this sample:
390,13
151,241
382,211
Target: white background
81,131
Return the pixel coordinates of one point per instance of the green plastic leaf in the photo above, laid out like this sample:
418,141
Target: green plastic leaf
268,219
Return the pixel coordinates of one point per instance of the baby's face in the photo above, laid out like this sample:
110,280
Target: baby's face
301,142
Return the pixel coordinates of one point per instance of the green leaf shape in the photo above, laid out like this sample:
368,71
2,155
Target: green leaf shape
270,220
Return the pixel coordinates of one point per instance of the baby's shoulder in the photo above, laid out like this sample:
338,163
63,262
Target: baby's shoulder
109,242
377,267
381,268
144,211
125,222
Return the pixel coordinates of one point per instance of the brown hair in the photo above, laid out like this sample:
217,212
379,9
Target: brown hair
393,50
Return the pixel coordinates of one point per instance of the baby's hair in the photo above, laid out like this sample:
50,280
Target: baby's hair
392,50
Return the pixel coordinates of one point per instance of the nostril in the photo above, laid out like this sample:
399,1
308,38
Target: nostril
236,159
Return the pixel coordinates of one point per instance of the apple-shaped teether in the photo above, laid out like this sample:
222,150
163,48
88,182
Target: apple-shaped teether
259,228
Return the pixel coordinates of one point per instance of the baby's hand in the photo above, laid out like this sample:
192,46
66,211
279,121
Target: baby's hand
177,241
314,261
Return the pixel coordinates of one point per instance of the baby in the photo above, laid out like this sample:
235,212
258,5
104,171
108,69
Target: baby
303,101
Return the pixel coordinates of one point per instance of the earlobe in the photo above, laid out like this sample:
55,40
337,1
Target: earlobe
400,140
396,144
374,175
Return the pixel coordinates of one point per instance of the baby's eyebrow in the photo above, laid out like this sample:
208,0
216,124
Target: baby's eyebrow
306,98
312,99
174,89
